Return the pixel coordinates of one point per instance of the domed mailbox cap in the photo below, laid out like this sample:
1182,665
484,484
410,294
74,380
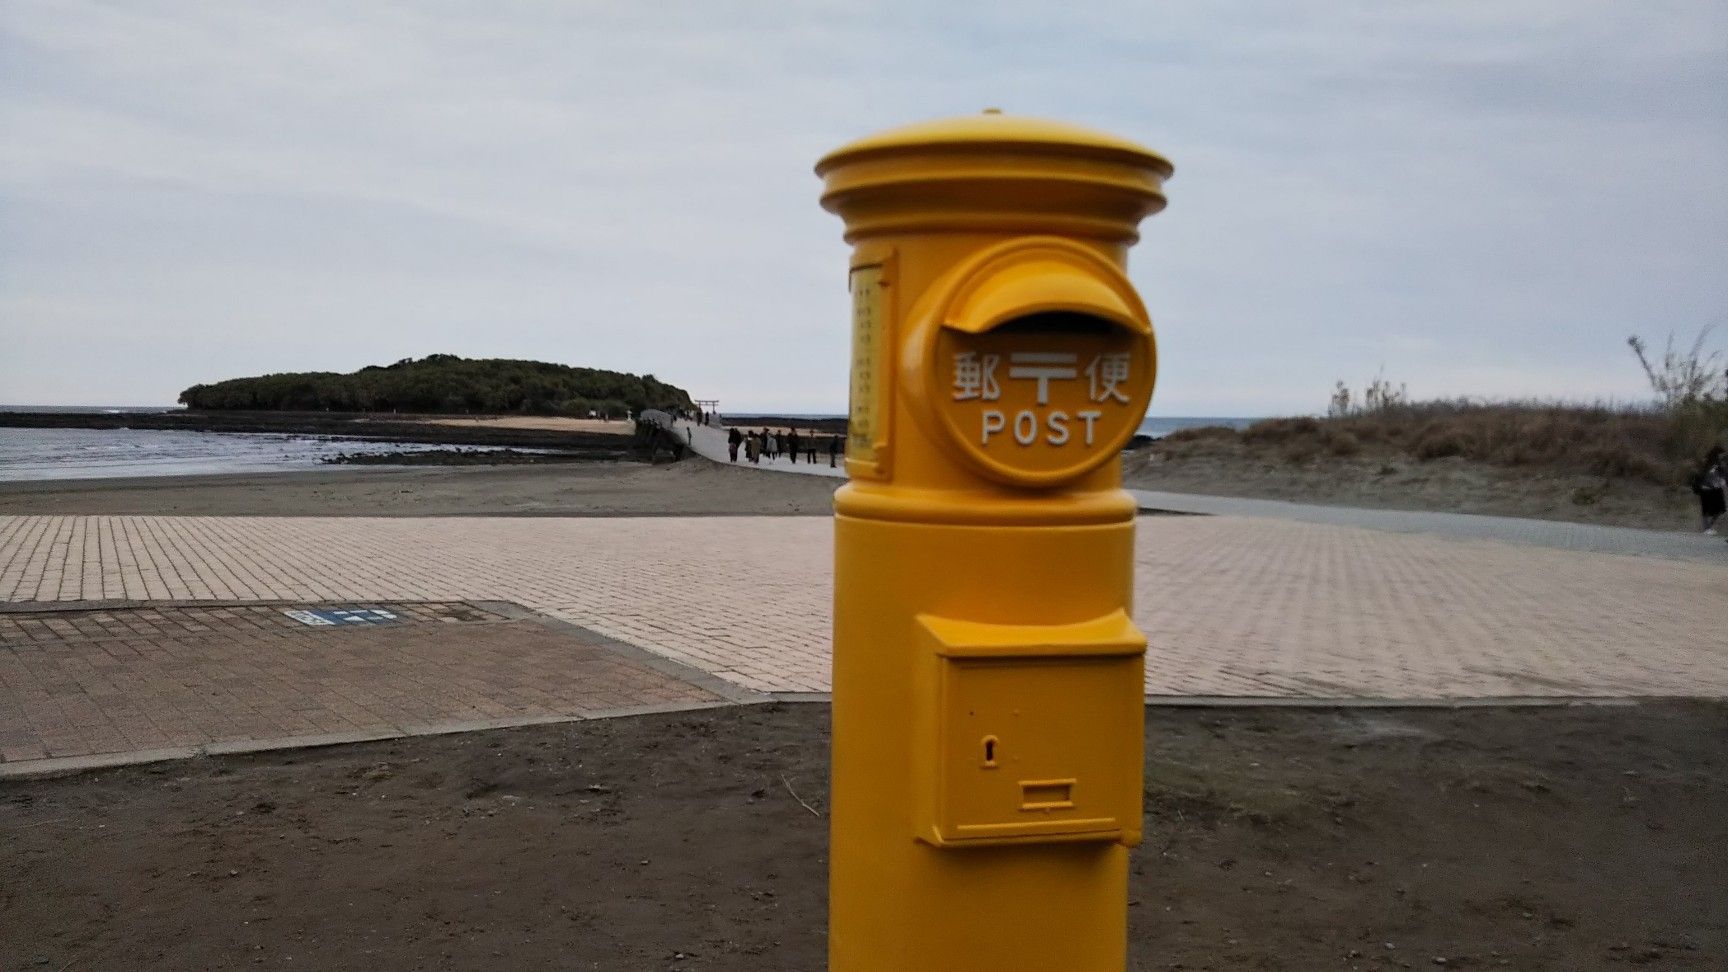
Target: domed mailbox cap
994,173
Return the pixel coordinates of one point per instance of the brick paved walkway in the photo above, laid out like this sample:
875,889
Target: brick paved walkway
1234,606
88,682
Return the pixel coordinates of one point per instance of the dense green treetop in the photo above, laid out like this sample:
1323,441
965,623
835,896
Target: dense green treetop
445,383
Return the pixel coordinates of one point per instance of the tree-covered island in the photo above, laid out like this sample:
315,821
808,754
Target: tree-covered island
446,384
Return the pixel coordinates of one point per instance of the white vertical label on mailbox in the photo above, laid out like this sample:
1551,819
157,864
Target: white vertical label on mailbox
869,359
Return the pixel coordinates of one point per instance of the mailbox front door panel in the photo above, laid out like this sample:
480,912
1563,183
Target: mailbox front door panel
1032,737
1025,747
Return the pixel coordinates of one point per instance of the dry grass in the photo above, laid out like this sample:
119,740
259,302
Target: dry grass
1201,433
1648,445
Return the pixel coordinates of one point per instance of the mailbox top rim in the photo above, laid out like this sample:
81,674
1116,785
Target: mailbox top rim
997,132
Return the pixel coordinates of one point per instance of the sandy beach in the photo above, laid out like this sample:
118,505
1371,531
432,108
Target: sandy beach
690,488
697,487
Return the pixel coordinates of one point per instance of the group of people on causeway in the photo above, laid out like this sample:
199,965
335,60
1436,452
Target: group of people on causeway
1710,482
772,443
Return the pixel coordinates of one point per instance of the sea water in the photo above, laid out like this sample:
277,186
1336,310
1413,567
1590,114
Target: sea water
1162,426
100,453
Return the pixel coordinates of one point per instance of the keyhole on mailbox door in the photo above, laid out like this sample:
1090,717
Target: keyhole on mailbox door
989,752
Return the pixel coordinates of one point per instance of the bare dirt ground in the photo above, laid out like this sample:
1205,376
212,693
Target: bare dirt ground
1453,484
1562,839
694,487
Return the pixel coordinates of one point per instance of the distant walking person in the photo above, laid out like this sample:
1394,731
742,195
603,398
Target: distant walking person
833,451
773,444
1711,485
752,448
792,444
810,448
734,439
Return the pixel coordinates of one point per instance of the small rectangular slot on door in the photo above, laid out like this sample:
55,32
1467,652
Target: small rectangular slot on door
1046,794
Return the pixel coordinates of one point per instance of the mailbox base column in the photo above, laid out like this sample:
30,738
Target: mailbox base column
903,898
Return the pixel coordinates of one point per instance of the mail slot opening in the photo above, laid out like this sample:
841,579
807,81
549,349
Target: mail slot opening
1046,794
1058,322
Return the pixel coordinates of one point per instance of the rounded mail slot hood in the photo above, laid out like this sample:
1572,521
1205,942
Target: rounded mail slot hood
1038,281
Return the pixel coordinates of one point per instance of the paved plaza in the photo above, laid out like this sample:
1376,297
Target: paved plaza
1234,606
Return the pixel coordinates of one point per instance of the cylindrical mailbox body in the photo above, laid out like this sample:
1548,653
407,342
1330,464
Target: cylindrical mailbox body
988,700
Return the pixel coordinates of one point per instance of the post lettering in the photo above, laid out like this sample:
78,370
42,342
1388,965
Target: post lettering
1089,416
975,376
1025,427
1104,376
994,421
1058,428
1042,367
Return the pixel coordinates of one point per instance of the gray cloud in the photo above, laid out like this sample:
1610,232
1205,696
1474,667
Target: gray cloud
1483,198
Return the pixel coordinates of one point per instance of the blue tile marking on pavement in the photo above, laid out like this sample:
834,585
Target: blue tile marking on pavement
321,616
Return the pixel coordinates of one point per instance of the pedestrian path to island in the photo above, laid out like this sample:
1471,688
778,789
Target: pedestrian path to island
710,443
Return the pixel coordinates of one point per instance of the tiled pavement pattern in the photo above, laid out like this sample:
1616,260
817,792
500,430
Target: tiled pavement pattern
1233,606
76,683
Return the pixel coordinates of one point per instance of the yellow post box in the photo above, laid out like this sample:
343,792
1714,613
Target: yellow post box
988,700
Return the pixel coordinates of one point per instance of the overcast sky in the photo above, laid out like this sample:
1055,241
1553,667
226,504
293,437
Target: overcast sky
1482,198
